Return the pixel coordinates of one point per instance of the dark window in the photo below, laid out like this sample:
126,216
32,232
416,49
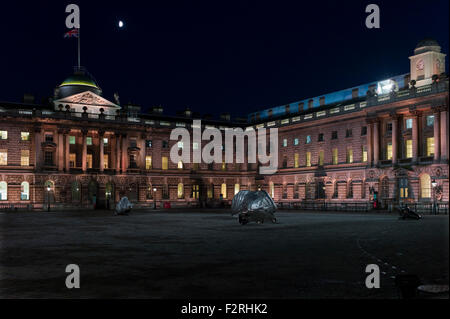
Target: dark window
133,142
389,127
48,137
348,133
48,158
320,137
148,143
363,130
334,135
165,144
133,161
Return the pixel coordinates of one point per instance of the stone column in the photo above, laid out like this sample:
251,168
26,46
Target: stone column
444,134
101,134
142,151
60,149
67,150
38,148
118,143
84,154
124,152
437,135
394,138
369,144
415,136
376,142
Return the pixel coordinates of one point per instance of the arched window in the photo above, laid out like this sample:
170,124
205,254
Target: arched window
236,188
272,190
425,186
223,190
3,191
180,191
24,191
76,191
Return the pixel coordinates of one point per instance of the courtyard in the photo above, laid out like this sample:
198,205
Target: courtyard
208,254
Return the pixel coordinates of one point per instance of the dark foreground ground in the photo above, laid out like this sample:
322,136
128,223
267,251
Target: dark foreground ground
209,255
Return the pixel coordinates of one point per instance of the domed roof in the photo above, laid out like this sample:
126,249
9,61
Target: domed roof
80,81
80,78
427,42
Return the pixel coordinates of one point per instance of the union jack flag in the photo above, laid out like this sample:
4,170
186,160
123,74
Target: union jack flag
71,33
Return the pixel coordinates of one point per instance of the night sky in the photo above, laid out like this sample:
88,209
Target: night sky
213,56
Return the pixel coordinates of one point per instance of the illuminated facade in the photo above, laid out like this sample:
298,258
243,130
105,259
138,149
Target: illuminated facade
389,137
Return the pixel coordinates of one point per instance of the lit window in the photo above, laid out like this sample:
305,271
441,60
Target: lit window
3,135
403,183
148,162
180,145
349,156
105,161
389,151
223,190
195,191
24,191
409,149
25,158
105,141
425,186
180,165
364,154
236,188
308,159
89,160
272,189
308,139
89,140
72,159
409,123
3,157
284,142
165,162
295,141
72,140
25,136
430,120
180,191
148,143
430,146
296,161
335,156
321,156
224,165
3,191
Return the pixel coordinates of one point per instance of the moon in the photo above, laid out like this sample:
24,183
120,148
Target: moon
121,24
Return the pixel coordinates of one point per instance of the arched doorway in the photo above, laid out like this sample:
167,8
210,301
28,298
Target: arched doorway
109,195
132,193
76,192
93,193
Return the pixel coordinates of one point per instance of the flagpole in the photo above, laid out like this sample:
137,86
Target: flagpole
79,58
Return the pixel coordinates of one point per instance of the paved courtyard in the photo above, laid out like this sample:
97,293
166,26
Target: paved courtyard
207,254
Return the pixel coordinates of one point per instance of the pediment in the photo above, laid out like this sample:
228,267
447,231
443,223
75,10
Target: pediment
88,99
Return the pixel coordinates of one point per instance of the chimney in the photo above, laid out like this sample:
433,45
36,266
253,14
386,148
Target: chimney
28,98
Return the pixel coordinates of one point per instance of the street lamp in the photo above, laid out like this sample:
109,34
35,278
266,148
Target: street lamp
154,197
434,184
48,197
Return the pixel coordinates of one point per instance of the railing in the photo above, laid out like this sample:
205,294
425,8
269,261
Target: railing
15,207
439,208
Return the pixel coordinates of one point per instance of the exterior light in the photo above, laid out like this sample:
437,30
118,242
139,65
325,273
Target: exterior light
154,189
48,188
433,183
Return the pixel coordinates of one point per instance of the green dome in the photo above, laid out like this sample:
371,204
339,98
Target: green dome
80,79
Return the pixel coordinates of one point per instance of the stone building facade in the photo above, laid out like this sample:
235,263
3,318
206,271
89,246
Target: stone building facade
387,138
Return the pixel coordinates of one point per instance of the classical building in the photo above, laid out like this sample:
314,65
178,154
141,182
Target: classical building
387,139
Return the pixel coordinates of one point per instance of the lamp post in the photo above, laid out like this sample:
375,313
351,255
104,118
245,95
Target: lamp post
434,184
48,197
154,197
